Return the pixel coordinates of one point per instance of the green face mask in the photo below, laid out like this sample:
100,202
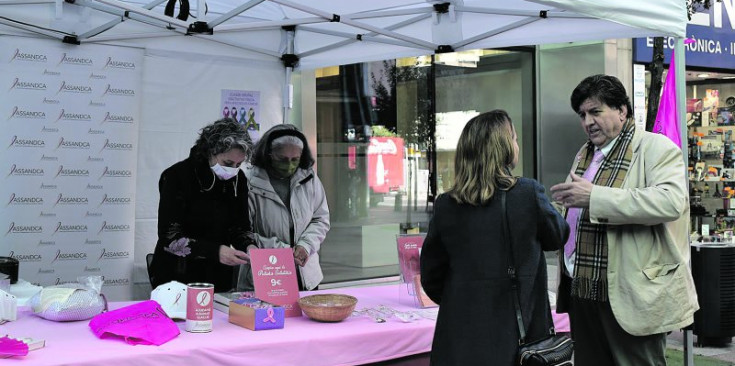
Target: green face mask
284,168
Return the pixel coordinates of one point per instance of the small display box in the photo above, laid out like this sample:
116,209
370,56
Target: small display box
255,314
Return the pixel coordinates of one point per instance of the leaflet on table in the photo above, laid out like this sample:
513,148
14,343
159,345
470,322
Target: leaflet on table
274,277
409,246
222,299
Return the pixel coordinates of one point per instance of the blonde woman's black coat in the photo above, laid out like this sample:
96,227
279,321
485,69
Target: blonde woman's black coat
464,265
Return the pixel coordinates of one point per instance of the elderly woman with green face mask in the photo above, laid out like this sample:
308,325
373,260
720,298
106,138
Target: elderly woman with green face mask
286,203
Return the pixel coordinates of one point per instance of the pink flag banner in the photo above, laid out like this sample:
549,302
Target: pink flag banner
667,118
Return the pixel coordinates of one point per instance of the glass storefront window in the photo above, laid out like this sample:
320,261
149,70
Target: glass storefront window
384,127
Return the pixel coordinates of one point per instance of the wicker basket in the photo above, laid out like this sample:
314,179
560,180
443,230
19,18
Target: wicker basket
328,307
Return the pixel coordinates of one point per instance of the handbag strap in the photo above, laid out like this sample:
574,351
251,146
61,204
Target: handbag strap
512,270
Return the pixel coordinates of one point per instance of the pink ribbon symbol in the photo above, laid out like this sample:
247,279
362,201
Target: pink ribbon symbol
270,316
178,297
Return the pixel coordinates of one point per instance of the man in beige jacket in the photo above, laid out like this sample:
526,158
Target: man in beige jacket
625,277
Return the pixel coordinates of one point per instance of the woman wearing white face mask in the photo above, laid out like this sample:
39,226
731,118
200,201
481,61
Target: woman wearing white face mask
287,204
203,225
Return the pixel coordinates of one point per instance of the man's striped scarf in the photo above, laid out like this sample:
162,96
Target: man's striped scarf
590,268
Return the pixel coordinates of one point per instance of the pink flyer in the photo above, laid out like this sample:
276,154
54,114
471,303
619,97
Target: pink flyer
274,274
409,248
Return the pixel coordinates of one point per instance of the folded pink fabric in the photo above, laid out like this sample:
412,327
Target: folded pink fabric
141,323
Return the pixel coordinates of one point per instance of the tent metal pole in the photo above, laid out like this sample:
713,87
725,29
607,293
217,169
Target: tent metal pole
268,24
25,2
24,27
345,20
109,25
680,69
351,36
145,12
233,13
494,32
348,41
287,85
389,13
522,13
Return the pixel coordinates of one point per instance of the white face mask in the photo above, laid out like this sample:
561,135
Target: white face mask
224,172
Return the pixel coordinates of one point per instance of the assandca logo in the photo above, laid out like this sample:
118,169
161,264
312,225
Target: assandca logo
24,200
75,117
71,144
75,60
27,85
93,242
25,171
112,200
26,114
96,103
49,129
48,186
67,228
113,254
119,64
46,271
116,173
111,228
118,92
23,142
94,186
51,72
112,145
68,172
74,88
121,282
92,269
45,157
95,158
46,214
96,132
46,242
69,256
97,76
24,229
51,101
60,281
71,200
117,118
25,257
19,55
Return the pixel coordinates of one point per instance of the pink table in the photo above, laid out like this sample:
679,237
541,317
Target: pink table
303,342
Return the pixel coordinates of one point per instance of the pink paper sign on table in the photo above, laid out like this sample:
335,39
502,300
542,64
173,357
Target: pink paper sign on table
274,277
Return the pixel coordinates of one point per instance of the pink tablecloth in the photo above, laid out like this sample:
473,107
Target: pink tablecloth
302,342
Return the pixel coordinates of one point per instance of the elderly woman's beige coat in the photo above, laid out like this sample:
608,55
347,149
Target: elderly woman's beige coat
270,221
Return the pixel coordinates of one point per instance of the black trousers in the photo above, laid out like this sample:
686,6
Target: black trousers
600,341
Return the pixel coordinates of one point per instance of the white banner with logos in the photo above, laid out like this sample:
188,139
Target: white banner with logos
69,141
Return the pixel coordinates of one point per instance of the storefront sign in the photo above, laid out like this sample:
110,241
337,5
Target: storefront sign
714,33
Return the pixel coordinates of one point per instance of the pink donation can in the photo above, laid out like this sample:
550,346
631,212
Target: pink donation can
199,307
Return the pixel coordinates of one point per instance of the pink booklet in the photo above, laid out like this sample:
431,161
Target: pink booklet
409,248
274,276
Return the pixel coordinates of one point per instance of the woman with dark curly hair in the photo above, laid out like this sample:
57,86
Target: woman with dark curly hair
203,224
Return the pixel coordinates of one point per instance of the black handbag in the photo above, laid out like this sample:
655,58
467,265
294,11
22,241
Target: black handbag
554,349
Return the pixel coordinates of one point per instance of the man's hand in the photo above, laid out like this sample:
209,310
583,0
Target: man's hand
300,255
573,194
232,257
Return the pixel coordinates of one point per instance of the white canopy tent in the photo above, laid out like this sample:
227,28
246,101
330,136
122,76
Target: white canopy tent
309,34
327,32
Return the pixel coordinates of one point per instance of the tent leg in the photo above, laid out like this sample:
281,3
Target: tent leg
287,95
680,61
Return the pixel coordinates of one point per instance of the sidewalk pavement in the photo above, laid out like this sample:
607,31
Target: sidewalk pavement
675,340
